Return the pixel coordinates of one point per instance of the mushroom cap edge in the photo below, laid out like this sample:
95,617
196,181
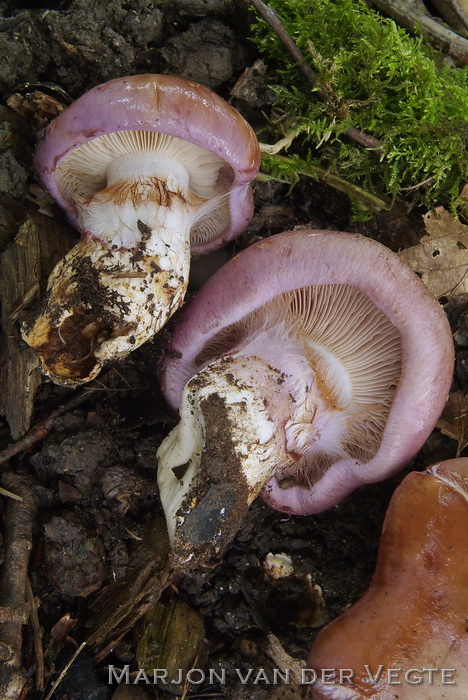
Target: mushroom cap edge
164,103
300,258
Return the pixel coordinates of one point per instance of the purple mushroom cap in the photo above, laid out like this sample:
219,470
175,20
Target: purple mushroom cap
306,258
163,104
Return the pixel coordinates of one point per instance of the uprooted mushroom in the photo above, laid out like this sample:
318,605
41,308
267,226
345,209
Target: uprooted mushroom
310,364
148,167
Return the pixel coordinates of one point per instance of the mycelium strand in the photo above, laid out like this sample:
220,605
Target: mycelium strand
119,285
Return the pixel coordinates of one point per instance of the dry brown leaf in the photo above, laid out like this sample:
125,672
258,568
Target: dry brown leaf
441,257
454,420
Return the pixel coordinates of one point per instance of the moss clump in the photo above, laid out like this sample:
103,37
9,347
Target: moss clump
381,81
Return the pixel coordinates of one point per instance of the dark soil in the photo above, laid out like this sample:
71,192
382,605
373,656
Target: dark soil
98,463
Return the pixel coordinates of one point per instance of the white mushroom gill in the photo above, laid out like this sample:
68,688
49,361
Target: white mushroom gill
109,175
303,381
141,199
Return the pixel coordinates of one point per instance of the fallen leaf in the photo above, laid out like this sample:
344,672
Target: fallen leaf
441,257
454,420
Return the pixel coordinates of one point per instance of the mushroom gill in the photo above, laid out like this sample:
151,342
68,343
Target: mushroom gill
355,352
313,362
99,170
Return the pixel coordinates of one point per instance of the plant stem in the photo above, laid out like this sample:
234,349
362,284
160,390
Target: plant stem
271,18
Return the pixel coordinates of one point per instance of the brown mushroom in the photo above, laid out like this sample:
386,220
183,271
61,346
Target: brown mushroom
407,637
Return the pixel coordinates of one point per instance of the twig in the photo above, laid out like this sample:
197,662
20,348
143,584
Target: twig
18,527
452,13
271,18
410,18
460,12
9,494
36,629
427,181
187,682
366,199
39,431
283,660
364,139
64,671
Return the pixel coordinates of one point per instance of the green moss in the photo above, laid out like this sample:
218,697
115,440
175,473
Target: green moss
379,80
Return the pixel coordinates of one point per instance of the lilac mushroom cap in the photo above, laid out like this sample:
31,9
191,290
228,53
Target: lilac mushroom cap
149,168
329,337
162,105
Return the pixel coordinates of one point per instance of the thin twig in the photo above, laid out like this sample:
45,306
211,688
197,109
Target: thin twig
364,139
18,537
271,18
64,671
273,21
36,629
186,687
427,181
9,494
408,17
366,199
39,431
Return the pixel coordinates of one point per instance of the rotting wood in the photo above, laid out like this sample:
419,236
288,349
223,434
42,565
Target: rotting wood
125,602
19,268
117,607
18,528
24,268
159,641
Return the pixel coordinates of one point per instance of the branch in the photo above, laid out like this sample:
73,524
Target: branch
14,605
271,18
409,17
453,14
40,430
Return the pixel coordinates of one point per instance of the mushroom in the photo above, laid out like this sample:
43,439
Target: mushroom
147,167
407,637
311,363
